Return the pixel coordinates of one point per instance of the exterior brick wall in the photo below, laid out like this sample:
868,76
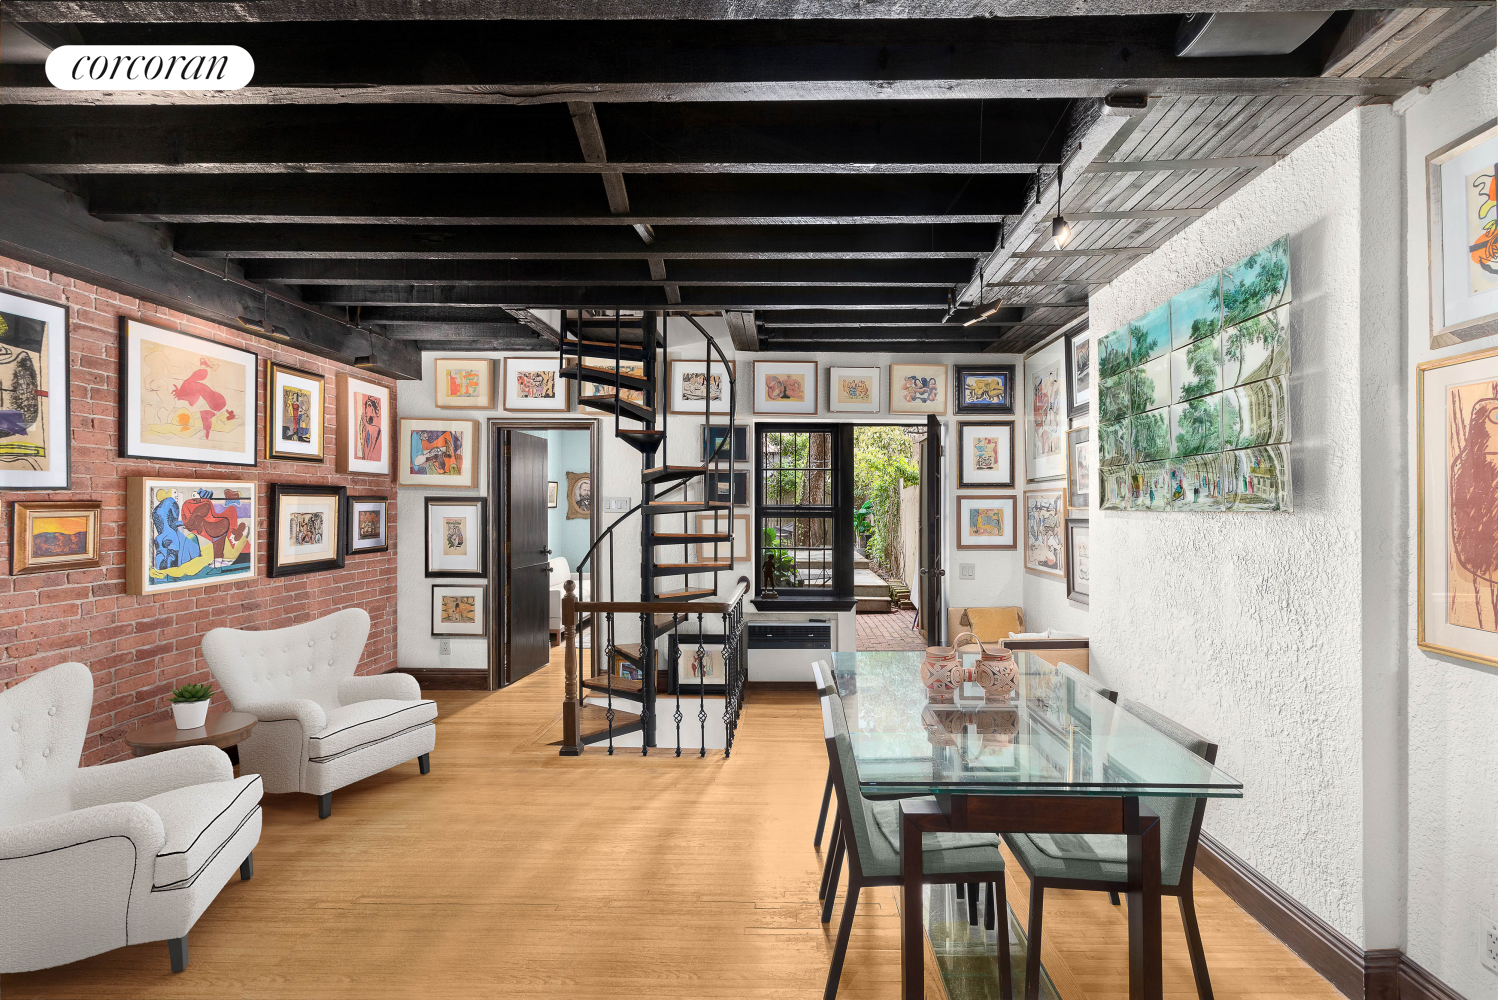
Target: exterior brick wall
139,648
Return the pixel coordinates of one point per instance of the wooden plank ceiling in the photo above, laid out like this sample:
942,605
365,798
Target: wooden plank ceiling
839,176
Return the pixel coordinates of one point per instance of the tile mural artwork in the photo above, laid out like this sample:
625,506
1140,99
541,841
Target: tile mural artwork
1193,410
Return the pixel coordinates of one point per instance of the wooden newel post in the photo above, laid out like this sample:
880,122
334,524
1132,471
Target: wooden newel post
571,706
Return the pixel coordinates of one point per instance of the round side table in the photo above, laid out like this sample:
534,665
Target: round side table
226,730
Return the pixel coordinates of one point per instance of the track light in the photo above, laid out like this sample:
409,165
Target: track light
992,308
1060,231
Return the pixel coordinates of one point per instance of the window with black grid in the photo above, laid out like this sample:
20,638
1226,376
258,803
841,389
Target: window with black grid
798,511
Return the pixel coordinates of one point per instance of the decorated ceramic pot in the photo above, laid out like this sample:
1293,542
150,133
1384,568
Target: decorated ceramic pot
936,672
994,670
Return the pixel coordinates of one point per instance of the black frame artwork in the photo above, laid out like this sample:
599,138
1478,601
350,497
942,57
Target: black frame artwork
348,526
481,504
959,372
273,567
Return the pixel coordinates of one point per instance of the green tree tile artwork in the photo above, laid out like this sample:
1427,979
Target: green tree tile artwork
1151,487
1257,479
1114,444
1114,486
1149,335
1257,348
1196,483
1115,355
1196,312
1151,435
1195,369
1113,398
1151,385
1256,414
1257,284
1196,426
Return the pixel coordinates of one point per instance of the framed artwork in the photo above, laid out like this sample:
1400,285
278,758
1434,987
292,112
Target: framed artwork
918,389
579,495
463,383
721,487
551,493
707,671
853,390
51,536
293,413
983,388
1045,413
184,533
1078,468
34,412
1078,373
459,610
533,385
366,525
985,453
306,528
635,369
1462,181
437,452
185,398
697,387
1045,534
1078,567
363,425
709,523
1456,407
455,536
987,521
782,387
712,434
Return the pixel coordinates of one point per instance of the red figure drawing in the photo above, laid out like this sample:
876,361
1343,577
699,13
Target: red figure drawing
1473,560
195,391
201,518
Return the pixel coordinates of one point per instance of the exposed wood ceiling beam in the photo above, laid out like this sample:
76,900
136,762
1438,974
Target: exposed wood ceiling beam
741,330
1208,163
887,346
655,297
512,333
1083,252
953,333
484,281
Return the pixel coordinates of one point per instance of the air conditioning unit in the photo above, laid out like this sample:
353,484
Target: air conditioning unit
785,651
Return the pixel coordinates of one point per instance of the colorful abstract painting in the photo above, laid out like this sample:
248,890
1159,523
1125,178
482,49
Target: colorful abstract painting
33,394
54,535
189,533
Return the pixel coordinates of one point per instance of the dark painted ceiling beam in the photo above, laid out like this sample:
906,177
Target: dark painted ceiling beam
467,276
557,199
952,333
480,297
584,242
858,137
705,298
885,346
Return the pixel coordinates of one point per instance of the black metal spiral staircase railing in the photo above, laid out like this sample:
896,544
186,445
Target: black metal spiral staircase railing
620,376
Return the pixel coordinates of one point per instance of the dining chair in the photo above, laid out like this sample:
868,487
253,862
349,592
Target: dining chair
822,673
1100,861
870,835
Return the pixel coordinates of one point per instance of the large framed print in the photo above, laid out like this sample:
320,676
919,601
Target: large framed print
1078,372
437,452
306,529
363,427
983,388
366,525
1079,468
455,536
785,387
459,610
1078,560
985,453
709,523
186,398
1456,405
853,390
182,533
987,521
34,394
533,385
293,413
1045,413
1045,531
918,389
49,536
697,387
1462,178
463,383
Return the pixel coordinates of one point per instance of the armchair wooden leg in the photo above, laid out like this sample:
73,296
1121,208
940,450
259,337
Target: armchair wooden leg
961,890
837,870
1113,898
840,950
325,805
999,901
177,948
1194,946
1032,951
822,817
832,846
425,762
972,904
247,867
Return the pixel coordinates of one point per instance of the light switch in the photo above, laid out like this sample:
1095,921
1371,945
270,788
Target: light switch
965,571
616,505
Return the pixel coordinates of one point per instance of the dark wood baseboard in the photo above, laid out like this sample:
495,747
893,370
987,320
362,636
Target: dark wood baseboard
1379,974
808,686
439,679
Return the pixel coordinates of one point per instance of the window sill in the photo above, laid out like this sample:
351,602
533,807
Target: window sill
828,604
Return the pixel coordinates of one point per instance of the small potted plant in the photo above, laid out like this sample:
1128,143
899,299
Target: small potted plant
190,705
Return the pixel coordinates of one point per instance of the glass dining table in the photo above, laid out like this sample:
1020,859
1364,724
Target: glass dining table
1055,755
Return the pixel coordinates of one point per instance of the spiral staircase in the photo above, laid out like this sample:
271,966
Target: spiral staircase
627,685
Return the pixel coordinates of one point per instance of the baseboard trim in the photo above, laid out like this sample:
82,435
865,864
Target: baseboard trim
1379,974
439,679
808,686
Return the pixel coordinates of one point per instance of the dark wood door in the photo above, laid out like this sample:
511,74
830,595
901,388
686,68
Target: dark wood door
933,608
527,556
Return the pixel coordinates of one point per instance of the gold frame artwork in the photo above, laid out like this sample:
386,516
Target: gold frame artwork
347,425
23,558
484,401
318,416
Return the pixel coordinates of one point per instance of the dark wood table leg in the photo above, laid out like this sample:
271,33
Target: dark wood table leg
915,816
1145,951
233,752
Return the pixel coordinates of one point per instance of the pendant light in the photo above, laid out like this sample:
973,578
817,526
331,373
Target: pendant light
1060,231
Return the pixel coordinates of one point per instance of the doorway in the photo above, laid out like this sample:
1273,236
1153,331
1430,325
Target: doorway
888,515
545,522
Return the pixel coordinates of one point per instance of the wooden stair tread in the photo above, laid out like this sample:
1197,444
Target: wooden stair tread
593,722
689,592
628,650
677,537
622,685
696,567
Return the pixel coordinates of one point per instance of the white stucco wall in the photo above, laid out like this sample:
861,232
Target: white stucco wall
1251,627
1453,704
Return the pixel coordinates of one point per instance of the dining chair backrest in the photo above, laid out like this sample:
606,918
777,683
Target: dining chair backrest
1086,681
1180,818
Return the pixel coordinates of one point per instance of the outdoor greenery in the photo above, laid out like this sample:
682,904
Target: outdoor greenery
782,564
192,692
883,458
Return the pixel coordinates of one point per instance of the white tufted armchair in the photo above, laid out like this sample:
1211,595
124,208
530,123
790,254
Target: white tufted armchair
96,858
320,726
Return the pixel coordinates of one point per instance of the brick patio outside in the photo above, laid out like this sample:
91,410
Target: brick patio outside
891,631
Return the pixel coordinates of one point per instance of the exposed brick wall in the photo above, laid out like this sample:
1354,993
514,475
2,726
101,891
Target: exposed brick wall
139,648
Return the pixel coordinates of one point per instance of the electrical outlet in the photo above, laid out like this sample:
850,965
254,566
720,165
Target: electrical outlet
965,571
1488,946
445,648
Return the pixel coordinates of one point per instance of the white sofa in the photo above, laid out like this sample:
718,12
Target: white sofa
561,572
96,858
320,726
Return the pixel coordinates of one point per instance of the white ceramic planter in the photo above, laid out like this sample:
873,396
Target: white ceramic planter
190,714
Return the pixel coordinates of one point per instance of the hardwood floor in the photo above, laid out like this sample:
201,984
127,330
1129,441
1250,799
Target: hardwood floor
512,872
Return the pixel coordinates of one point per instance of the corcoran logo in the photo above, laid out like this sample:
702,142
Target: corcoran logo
150,67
